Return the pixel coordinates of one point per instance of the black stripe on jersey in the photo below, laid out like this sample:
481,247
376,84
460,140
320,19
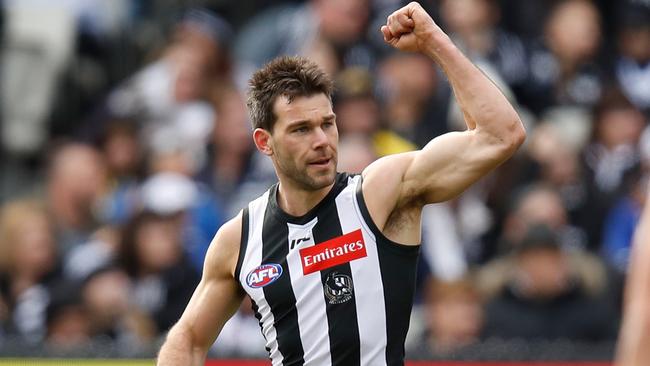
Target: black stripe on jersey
258,316
342,317
243,244
398,266
279,294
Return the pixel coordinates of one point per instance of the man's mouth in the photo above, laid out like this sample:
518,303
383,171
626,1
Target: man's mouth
320,162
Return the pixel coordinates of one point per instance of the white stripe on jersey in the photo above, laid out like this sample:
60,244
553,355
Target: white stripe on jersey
314,332
253,259
366,271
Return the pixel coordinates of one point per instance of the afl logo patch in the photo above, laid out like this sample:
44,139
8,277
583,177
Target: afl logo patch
264,275
338,288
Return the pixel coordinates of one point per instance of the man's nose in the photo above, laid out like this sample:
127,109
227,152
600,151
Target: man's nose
320,138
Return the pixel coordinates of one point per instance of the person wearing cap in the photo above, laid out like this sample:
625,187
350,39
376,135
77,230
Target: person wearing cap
190,204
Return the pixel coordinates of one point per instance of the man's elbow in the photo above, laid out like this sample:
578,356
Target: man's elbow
519,134
515,136
505,143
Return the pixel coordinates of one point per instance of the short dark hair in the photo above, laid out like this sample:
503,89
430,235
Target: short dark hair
285,76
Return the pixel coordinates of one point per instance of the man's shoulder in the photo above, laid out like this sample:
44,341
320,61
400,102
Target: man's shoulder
231,230
385,173
224,249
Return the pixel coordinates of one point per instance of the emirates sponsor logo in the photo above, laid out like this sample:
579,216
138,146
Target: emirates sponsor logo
342,249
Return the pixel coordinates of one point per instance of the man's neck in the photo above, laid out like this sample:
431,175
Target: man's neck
296,201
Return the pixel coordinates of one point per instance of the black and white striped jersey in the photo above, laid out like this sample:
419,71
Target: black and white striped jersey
328,288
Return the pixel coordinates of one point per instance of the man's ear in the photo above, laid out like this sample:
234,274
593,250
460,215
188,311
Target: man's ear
263,141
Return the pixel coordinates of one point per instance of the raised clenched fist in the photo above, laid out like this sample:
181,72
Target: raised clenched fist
410,28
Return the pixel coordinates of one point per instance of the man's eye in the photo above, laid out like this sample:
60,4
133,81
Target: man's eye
301,130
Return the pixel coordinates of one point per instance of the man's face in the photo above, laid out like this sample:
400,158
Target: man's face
305,141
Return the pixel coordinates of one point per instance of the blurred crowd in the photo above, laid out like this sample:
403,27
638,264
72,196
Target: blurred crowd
125,145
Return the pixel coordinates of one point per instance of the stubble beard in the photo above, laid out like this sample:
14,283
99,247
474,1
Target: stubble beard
302,178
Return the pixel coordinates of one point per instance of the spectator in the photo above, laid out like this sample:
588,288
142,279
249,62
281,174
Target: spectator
357,152
633,62
554,159
162,276
358,112
454,316
563,70
609,159
189,205
68,322
333,31
539,204
525,19
168,97
357,108
124,157
235,171
474,27
76,182
28,261
544,296
620,223
106,299
231,147
450,235
103,53
414,99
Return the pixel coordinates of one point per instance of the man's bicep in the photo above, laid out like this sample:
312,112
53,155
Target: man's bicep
212,304
449,164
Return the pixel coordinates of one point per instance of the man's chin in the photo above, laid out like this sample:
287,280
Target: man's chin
323,180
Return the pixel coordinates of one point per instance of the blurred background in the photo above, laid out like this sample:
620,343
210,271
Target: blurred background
125,144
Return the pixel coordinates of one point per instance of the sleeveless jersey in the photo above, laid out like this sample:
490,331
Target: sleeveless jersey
328,288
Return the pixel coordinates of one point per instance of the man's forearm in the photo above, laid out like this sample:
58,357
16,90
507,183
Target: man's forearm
481,101
179,350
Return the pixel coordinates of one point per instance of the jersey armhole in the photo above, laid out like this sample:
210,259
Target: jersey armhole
382,240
